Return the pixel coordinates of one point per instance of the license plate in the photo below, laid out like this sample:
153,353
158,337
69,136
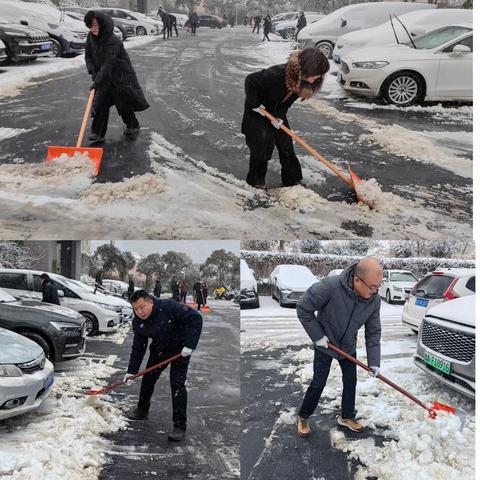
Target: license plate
421,302
48,382
437,363
45,46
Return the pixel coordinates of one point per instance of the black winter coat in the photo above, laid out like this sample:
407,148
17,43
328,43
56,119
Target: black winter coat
109,64
193,19
302,22
50,293
171,326
266,87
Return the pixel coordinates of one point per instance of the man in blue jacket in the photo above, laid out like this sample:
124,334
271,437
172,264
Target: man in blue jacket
173,328
332,311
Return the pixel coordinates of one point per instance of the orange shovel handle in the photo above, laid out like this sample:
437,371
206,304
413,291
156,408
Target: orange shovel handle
85,118
310,150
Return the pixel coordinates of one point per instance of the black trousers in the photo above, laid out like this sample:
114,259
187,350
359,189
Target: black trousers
101,112
183,297
265,36
178,376
200,301
321,369
261,144
257,28
193,29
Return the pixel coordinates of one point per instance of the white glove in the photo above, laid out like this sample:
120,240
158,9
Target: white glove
277,122
127,377
375,371
259,110
186,352
322,342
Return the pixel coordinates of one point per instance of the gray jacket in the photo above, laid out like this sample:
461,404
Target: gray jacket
332,308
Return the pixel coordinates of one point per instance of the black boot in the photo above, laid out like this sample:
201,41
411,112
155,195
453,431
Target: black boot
95,138
137,414
176,435
132,131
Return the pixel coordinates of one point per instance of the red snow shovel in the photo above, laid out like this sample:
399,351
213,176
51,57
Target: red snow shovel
205,307
350,181
104,390
95,154
432,411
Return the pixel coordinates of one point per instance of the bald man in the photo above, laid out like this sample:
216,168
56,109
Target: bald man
333,310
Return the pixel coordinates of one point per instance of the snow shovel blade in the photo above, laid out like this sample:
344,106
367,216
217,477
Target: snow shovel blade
94,154
206,308
355,181
462,415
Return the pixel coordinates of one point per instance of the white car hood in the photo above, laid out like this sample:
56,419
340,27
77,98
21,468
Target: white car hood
297,282
17,349
461,310
388,53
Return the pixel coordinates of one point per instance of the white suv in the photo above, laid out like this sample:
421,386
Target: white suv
397,285
436,287
101,313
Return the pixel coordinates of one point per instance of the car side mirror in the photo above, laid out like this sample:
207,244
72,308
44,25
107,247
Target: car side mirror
61,293
344,23
461,50
24,22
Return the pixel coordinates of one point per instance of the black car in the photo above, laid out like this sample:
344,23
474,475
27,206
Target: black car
24,43
211,21
58,330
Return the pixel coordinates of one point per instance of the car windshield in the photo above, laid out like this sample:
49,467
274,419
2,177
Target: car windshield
402,277
438,37
6,297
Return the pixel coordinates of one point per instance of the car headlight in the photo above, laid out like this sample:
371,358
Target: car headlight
286,291
65,326
397,289
369,65
113,308
16,34
10,371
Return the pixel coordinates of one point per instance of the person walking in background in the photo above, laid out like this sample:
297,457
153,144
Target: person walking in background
257,21
176,290
113,76
197,290
267,27
157,291
172,24
193,22
301,23
49,291
98,278
204,293
131,287
183,291
172,328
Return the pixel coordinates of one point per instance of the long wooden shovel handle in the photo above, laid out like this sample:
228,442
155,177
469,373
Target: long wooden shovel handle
381,377
310,150
85,118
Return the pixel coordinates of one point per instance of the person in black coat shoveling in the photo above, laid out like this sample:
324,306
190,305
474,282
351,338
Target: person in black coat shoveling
332,311
173,328
193,21
257,21
114,78
276,89
267,27
198,294
49,291
157,291
301,23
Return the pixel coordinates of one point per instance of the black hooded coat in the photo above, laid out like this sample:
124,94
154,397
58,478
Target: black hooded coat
109,65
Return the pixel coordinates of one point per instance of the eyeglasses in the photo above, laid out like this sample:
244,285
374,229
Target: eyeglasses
373,288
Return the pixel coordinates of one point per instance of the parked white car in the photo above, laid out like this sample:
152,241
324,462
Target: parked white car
26,376
67,35
397,285
3,52
435,288
394,31
101,314
325,33
335,271
446,345
289,282
145,25
438,67
287,28
248,295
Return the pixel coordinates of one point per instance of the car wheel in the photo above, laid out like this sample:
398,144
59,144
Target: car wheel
39,340
326,48
388,297
403,89
273,293
288,34
280,301
56,48
257,303
91,324
141,31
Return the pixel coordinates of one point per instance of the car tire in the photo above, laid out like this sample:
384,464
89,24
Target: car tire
141,31
56,48
91,325
403,89
325,47
257,303
280,301
388,297
273,294
288,34
39,340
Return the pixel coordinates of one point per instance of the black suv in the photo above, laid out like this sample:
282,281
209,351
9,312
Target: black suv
58,330
24,43
211,21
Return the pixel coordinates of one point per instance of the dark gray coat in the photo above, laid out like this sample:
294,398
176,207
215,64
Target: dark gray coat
332,308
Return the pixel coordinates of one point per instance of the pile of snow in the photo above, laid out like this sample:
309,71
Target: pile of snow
370,193
11,132
64,438
298,198
117,337
132,188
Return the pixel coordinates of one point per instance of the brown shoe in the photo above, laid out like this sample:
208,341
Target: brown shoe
303,427
351,424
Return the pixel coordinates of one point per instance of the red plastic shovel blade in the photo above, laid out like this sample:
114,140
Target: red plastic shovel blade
95,154
206,309
445,408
